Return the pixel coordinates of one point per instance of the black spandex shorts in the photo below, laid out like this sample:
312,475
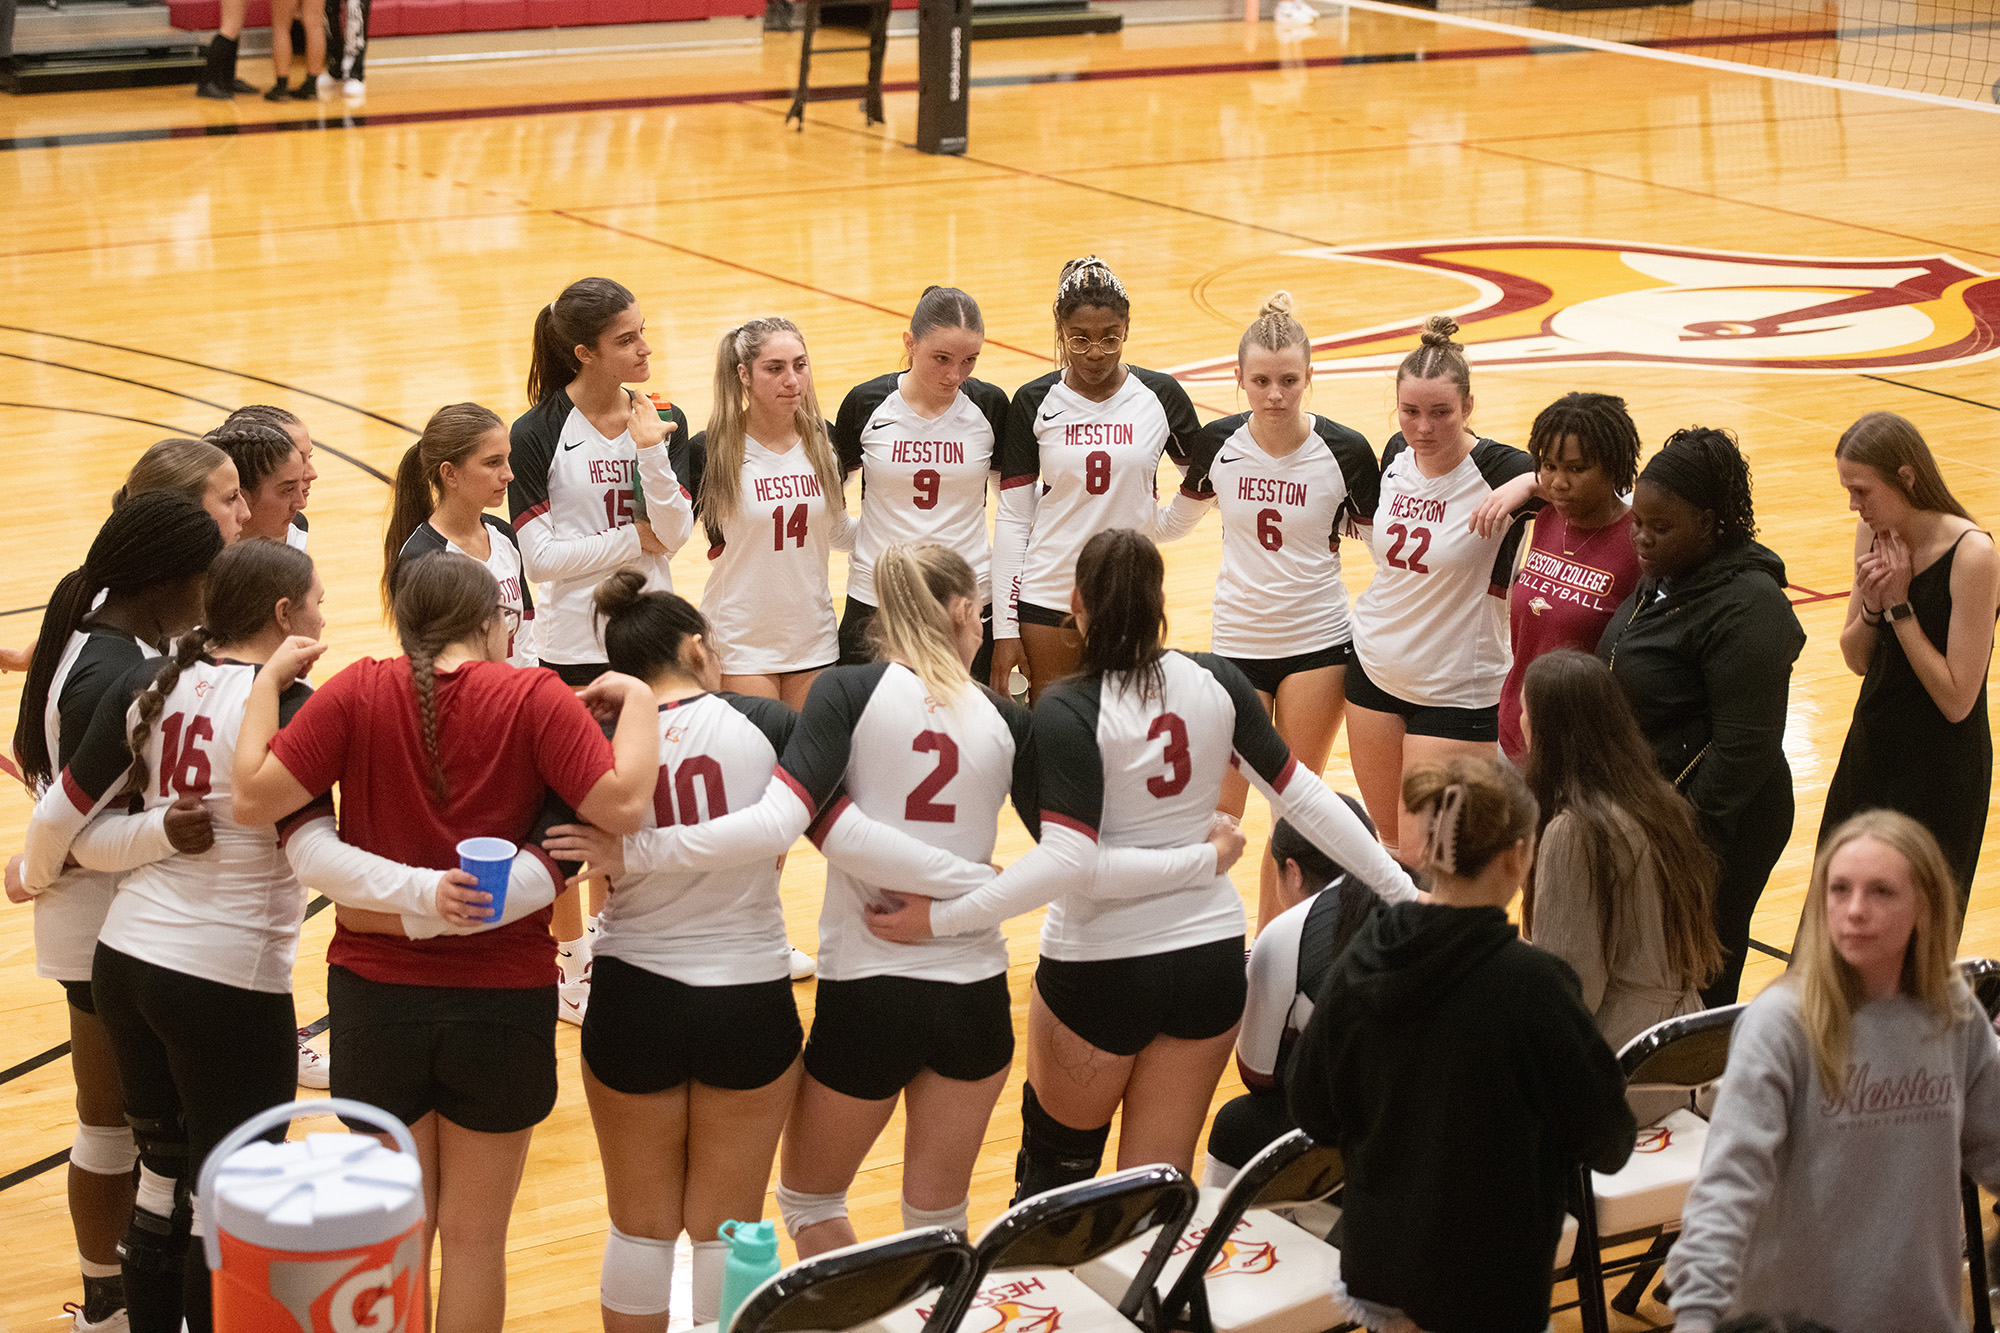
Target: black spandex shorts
576,675
1120,1004
855,650
1030,614
1450,724
78,994
484,1059
1268,673
871,1036
646,1033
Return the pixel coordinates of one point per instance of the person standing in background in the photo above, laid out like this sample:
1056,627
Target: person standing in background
346,48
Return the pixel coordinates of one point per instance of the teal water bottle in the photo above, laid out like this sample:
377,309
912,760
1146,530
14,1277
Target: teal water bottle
753,1261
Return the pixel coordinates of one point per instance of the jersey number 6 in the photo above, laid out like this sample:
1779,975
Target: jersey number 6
920,808
183,761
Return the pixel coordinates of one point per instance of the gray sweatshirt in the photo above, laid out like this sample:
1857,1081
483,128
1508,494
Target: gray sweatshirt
1843,1208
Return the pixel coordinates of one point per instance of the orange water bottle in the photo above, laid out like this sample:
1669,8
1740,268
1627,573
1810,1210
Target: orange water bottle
320,1235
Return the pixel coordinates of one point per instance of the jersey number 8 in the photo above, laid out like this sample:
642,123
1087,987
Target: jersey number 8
1096,472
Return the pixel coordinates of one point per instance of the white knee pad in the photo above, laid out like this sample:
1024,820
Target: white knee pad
954,1217
104,1150
709,1258
804,1210
1216,1173
638,1274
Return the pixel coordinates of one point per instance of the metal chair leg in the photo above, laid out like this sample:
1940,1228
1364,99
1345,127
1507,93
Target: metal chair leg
1585,1262
1975,1256
878,46
1628,1297
811,24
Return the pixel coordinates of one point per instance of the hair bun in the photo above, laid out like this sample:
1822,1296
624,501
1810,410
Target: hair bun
619,592
1277,303
1440,331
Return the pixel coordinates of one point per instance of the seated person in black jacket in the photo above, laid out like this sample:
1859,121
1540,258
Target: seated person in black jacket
1294,952
1459,1074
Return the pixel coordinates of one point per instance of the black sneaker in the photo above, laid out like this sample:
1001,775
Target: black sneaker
279,93
103,1298
241,86
308,89
214,90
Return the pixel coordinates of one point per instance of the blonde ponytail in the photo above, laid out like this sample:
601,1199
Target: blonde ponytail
916,585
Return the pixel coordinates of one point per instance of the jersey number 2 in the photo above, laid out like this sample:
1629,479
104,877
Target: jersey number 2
781,528
1180,764
183,762
1414,561
920,808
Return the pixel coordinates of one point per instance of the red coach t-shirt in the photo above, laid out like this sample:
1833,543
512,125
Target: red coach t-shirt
505,736
1563,601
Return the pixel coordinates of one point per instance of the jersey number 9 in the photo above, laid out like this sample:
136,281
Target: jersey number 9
927,482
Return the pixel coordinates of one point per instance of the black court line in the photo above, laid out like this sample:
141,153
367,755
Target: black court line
1772,950
108,416
34,1062
1936,393
33,1169
24,610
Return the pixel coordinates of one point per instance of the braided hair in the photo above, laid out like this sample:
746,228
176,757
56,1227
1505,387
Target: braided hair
1087,281
1704,467
258,446
1275,329
240,600
442,598
153,540
1438,356
1602,429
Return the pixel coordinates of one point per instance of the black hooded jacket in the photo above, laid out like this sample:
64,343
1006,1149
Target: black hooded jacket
1459,1074
1707,662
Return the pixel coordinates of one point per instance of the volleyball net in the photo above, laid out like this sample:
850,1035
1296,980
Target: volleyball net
1929,49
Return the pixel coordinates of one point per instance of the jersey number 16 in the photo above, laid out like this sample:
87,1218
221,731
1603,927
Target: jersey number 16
183,761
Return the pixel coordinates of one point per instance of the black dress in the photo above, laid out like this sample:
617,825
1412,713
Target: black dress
1901,753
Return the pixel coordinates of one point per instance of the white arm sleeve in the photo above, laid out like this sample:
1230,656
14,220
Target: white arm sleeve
1141,872
1179,516
1329,825
878,854
532,884
1062,860
545,556
354,877
766,829
1013,521
668,508
123,842
1274,983
54,825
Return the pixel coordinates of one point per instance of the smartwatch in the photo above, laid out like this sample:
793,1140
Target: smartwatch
1900,611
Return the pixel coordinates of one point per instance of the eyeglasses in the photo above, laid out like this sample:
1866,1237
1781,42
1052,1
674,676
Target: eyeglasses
1080,346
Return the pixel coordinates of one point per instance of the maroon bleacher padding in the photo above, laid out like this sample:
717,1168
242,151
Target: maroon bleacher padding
675,11
495,15
424,18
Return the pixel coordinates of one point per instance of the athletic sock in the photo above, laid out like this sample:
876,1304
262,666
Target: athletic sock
1053,1154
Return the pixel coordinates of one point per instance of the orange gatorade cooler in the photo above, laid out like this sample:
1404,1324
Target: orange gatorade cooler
321,1235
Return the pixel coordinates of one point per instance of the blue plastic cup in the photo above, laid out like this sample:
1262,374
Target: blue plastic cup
490,861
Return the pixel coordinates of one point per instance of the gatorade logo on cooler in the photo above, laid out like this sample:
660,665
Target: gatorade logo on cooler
349,1295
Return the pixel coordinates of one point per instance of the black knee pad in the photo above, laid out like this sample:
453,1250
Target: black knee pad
1053,1154
163,1145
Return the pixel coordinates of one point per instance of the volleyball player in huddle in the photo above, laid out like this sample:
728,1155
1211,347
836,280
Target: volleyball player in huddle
196,469
691,1045
1080,453
453,1035
193,968
1141,982
1430,632
767,490
583,455
925,443
899,767
1287,483
271,472
448,479
147,560
294,427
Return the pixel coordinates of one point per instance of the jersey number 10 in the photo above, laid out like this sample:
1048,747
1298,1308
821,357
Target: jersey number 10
678,789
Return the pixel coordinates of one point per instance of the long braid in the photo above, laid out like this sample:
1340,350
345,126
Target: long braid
441,599
423,674
144,714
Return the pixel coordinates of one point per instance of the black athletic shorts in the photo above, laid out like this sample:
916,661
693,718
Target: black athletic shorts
871,1036
1450,724
855,650
1027,613
1120,1004
78,994
483,1058
576,675
1268,673
646,1033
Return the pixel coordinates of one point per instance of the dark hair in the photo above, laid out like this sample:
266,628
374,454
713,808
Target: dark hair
450,436
245,584
945,308
1122,581
1889,443
1587,756
178,464
577,318
1602,429
1438,357
1477,809
264,413
258,447
1320,870
153,539
645,632
1704,467
441,598
1087,281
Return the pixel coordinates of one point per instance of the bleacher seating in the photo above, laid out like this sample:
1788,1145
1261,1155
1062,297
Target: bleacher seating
411,18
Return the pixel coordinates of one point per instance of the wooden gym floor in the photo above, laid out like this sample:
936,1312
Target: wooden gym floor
165,259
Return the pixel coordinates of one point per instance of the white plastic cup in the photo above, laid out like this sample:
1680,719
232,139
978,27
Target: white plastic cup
490,861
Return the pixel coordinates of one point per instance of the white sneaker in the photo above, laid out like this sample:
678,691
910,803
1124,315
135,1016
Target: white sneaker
115,1322
354,89
572,998
803,965
325,83
315,1070
1295,12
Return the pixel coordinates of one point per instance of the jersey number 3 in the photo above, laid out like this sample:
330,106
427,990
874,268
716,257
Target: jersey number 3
183,761
1180,765
920,808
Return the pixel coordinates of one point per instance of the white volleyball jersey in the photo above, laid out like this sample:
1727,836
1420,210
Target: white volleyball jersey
296,534
1071,468
721,927
923,479
503,562
872,736
69,916
768,600
573,502
1278,593
1431,629
230,914
1293,953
